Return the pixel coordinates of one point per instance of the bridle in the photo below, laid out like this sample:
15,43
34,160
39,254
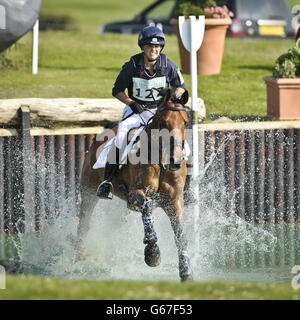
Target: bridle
163,108
163,125
175,142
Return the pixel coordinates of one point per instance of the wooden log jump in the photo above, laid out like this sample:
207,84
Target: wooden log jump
69,110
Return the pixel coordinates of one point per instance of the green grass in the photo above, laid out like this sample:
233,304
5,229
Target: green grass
239,91
33,287
293,3
80,63
95,12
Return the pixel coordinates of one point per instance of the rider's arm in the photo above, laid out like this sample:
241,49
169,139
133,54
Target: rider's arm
123,82
122,96
176,79
135,107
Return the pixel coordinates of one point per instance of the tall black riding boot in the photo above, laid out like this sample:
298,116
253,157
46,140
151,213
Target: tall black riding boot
105,188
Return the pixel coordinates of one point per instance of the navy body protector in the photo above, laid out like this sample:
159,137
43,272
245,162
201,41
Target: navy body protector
161,70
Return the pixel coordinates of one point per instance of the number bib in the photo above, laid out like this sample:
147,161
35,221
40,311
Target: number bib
142,88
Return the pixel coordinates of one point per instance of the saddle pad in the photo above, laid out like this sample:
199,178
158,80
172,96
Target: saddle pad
102,159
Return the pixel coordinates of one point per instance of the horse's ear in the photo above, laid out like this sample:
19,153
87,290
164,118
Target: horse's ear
162,92
166,93
184,98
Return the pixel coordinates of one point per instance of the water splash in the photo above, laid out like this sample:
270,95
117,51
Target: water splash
221,244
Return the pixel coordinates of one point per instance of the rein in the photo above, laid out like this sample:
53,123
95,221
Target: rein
175,142
174,108
167,107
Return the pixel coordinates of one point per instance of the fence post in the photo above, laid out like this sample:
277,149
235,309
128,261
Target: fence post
25,187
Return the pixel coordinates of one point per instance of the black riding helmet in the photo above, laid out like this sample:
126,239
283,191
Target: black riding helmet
151,35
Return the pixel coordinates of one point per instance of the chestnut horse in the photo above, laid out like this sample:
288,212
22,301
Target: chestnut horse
144,186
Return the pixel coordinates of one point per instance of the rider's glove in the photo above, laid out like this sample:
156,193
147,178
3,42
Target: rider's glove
136,107
175,96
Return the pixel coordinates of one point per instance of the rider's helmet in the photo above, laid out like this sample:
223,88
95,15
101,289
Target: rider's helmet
151,35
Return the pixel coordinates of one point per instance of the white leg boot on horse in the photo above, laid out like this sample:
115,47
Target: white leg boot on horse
185,270
174,213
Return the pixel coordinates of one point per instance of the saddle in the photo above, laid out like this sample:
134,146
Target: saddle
107,137
132,146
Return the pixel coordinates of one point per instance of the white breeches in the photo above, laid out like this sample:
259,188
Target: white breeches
134,121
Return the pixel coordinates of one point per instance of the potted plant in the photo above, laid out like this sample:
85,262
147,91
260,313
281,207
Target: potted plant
283,87
217,20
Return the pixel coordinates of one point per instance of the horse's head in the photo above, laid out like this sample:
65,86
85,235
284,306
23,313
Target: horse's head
172,116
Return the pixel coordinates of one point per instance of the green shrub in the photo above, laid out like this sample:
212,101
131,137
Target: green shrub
288,64
194,7
5,63
208,8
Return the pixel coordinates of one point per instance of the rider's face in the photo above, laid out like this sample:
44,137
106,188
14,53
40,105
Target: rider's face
152,51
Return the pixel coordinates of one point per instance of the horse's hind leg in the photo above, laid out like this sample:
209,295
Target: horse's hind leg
88,187
88,204
152,252
175,214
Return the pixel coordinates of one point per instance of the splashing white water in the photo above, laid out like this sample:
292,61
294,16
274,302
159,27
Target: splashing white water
221,245
228,247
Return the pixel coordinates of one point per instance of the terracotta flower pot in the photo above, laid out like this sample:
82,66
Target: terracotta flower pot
283,98
210,54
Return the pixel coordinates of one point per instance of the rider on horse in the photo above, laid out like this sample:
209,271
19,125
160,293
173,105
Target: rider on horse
143,73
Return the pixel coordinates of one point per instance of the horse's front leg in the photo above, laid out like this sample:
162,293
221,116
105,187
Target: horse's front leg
175,211
88,203
152,252
89,181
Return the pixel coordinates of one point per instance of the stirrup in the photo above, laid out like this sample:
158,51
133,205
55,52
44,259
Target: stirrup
105,190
